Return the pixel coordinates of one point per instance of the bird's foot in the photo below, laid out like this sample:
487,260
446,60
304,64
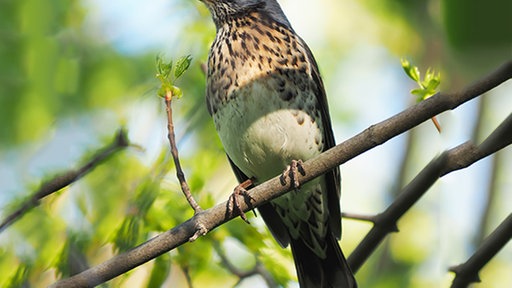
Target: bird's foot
233,204
291,172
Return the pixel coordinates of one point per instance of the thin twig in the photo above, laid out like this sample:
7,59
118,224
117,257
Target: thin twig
216,216
64,179
436,123
355,216
467,272
174,151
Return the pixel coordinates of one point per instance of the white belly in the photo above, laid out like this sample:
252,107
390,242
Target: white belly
263,133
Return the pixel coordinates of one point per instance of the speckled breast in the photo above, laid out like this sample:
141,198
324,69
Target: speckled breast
262,97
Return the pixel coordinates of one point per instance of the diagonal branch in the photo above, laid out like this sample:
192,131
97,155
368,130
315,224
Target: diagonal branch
65,179
454,159
216,216
467,272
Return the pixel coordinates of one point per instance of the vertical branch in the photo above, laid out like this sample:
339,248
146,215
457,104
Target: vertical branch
174,151
489,194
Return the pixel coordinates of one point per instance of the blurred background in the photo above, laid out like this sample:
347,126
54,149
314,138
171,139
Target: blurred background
73,72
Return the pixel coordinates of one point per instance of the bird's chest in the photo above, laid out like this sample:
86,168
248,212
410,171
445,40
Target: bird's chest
263,99
243,54
262,133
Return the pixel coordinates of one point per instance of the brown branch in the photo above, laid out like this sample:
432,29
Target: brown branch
60,181
216,216
467,272
454,159
174,151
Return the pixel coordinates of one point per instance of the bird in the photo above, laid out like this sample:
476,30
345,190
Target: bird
269,107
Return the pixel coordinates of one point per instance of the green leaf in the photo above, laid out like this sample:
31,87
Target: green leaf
163,69
162,91
182,65
405,64
412,71
419,93
427,86
176,92
433,84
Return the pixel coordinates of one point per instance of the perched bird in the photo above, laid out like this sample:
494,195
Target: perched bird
269,107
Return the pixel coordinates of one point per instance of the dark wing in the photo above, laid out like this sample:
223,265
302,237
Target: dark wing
332,177
267,212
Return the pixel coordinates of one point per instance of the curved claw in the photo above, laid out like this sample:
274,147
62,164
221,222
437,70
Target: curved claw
233,203
292,172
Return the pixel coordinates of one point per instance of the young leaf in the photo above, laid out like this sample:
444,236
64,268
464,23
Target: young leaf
413,72
182,65
163,69
176,92
432,84
419,93
427,86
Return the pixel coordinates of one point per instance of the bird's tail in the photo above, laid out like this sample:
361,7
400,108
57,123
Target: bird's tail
314,272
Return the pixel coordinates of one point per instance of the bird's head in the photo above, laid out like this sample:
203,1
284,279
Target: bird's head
224,10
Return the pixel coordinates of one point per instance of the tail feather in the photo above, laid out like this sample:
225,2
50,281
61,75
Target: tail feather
314,272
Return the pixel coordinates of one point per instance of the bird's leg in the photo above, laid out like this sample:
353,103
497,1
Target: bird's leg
240,190
292,171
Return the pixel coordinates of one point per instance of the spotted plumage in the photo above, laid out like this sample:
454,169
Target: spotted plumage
269,107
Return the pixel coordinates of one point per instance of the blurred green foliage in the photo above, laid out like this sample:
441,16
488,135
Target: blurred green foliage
51,68
475,24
